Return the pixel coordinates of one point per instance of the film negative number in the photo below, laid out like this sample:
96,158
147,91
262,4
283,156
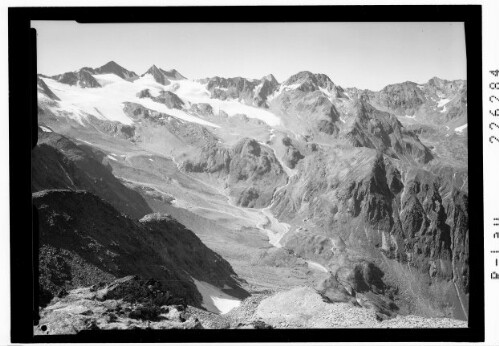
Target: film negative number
495,113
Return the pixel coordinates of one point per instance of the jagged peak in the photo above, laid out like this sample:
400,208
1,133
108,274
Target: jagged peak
437,79
112,63
152,69
298,76
319,79
168,74
270,78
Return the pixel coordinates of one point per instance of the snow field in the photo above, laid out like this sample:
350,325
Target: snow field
214,299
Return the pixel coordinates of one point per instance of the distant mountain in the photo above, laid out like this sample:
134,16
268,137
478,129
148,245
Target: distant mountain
163,77
308,82
114,68
384,132
438,101
83,78
43,89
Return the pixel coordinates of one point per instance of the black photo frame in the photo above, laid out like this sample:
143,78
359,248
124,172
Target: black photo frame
23,112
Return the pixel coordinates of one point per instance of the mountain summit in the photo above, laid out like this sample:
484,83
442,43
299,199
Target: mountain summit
163,77
113,67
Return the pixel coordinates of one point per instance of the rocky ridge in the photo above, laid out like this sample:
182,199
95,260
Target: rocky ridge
82,242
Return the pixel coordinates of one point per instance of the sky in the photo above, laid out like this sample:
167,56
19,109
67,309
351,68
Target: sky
363,55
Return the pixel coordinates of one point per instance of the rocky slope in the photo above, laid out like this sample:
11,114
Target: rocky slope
437,102
82,78
251,171
399,215
84,240
384,132
59,163
161,76
123,304
114,68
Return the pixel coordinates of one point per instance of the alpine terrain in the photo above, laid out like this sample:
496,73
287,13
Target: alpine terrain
166,202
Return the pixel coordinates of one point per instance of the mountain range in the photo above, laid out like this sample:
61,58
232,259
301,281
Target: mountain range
236,193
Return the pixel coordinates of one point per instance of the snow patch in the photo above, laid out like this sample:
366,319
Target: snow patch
410,116
461,128
86,142
271,134
316,266
111,158
45,129
442,102
151,160
214,299
342,120
325,91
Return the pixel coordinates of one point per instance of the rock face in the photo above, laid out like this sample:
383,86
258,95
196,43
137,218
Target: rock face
58,163
231,88
401,97
125,303
311,109
114,68
43,89
84,240
436,102
168,98
306,81
83,78
251,170
188,133
459,232
401,215
251,92
382,131
254,174
292,155
163,77
262,92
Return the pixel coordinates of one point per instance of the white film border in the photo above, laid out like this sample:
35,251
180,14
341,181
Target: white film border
490,56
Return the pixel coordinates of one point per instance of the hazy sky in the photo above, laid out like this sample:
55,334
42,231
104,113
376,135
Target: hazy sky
365,55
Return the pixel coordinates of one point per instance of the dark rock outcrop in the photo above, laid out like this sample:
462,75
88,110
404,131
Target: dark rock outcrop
82,241
292,155
383,131
45,90
58,163
163,77
310,82
82,78
251,170
114,68
168,98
